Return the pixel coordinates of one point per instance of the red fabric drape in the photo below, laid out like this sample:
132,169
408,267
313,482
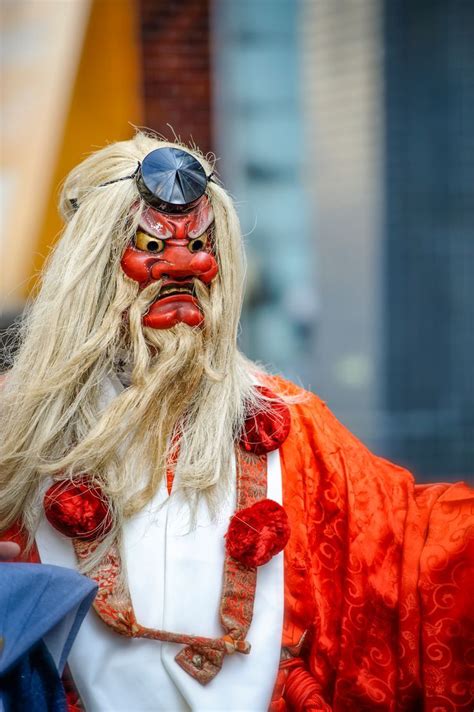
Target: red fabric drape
378,570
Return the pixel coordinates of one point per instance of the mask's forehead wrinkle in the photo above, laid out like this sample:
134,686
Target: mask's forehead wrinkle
191,225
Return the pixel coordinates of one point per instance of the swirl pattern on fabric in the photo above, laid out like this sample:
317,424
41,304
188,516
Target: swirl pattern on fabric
379,571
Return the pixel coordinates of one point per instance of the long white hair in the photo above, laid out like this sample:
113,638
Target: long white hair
189,388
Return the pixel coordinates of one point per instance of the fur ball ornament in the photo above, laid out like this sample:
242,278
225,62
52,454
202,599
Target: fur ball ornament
257,533
268,429
77,510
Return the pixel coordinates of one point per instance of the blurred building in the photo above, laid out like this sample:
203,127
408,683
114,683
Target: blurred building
344,131
347,132
260,138
428,237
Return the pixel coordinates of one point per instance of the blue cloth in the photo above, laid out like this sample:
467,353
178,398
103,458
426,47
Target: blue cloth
41,610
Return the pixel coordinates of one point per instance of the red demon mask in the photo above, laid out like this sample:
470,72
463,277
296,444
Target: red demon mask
176,249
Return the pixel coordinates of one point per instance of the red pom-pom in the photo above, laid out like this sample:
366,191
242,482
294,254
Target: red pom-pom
257,533
268,429
77,510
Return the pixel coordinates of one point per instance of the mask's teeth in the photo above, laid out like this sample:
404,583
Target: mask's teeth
176,289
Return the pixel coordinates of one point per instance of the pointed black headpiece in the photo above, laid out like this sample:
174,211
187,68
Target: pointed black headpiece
171,180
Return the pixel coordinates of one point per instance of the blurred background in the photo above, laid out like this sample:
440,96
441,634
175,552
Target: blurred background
344,130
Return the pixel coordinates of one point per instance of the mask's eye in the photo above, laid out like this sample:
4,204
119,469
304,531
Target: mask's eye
148,243
199,243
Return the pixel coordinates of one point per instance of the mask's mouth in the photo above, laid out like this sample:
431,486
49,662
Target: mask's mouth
175,303
180,290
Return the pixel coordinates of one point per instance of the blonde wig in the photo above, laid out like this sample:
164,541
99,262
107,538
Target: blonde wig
189,387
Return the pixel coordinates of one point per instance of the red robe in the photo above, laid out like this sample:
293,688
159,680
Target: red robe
379,571
378,612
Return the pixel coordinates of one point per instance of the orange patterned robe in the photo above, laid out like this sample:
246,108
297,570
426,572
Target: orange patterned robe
378,578
378,571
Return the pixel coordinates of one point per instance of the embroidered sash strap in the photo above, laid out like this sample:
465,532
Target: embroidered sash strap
202,657
239,583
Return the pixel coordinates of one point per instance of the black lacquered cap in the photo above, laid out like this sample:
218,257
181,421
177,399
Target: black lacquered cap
171,180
